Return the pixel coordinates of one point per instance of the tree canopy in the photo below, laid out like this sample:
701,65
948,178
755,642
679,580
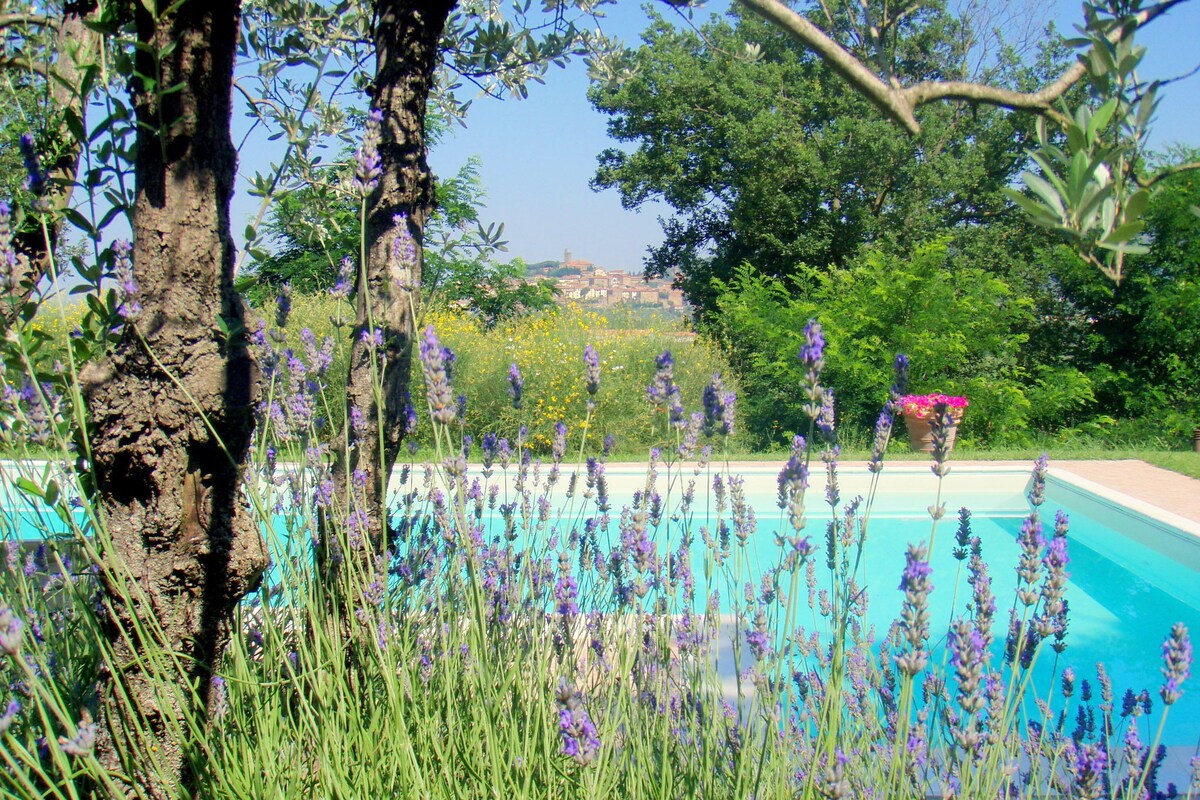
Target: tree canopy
767,159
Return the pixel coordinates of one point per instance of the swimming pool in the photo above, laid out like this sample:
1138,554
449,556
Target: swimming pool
1133,574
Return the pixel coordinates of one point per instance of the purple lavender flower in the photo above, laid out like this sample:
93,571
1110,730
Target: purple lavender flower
10,631
1087,763
883,432
793,481
1177,663
368,166
691,435
437,378
962,536
489,447
372,338
967,648
1029,567
812,357
404,253
323,494
516,384
581,740
718,408
1068,682
940,426
341,286
1037,490
358,422
36,180
832,783
982,600
8,256
558,446
10,714
410,419
283,305
82,742
830,456
757,638
914,614
218,696
127,288
681,572
826,425
662,391
591,370
812,352
1053,587
566,596
596,480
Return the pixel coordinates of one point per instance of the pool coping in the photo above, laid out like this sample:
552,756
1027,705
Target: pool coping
1162,495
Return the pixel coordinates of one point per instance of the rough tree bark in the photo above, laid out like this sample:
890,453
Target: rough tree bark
406,36
75,49
172,408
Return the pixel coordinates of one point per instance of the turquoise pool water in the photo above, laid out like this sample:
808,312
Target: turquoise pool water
1131,577
1120,608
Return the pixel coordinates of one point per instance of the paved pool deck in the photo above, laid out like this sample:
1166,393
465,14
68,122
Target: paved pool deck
1170,491
1159,487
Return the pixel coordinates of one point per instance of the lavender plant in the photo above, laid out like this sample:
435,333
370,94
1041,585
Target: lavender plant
537,626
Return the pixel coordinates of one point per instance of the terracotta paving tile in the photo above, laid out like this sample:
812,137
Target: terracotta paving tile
1168,490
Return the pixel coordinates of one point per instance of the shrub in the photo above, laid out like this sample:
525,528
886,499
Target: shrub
960,326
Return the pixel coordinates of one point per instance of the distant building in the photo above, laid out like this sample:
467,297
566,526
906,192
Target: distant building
583,282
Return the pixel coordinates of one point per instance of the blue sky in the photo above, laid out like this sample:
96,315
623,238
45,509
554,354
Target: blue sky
538,154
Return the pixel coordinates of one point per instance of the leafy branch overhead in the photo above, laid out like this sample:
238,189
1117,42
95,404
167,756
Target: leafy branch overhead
1090,187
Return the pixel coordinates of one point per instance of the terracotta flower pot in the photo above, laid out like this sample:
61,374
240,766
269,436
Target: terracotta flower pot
920,431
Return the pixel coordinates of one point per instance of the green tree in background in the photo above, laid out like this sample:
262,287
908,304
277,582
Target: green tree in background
767,159
315,227
1141,343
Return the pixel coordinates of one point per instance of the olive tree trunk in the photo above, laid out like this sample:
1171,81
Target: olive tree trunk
172,408
407,35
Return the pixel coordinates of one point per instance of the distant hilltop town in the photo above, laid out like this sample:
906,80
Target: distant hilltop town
584,282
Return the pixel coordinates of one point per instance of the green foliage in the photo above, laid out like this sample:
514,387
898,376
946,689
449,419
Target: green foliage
1086,187
959,325
767,159
316,227
1059,397
495,292
548,349
1139,342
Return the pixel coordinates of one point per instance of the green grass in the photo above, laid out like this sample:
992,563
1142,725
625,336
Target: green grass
1185,463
